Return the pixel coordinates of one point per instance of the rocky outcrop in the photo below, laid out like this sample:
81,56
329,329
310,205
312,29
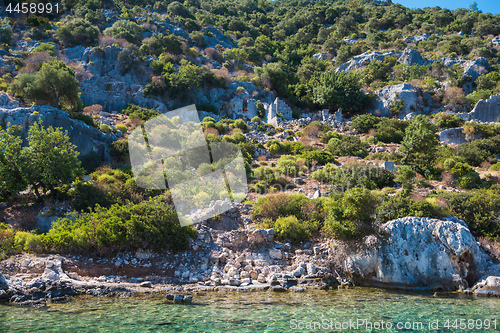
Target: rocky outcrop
485,111
417,38
411,57
105,83
476,67
275,108
420,252
410,99
217,38
85,137
455,136
364,59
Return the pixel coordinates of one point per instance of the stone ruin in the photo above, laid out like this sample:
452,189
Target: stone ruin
485,111
278,106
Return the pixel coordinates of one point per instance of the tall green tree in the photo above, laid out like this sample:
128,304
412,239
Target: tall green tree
338,90
50,159
420,141
54,84
11,163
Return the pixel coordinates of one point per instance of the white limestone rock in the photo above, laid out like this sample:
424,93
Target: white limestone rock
420,252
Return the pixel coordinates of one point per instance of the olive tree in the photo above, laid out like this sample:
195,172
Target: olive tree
50,160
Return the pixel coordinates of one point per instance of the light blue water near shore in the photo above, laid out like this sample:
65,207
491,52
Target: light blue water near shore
260,312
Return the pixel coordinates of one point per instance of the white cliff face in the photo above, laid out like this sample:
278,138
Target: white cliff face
421,252
385,98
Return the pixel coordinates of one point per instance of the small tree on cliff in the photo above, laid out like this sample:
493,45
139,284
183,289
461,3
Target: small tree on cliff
54,84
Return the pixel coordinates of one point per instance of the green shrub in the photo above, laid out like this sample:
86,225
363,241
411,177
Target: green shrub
85,118
6,240
401,206
105,128
390,130
287,164
256,120
469,180
135,111
326,136
364,122
350,215
122,128
348,145
240,123
45,47
119,149
322,157
77,31
129,30
290,228
478,151
150,224
28,242
495,167
449,163
356,175
90,162
478,208
460,169
278,205
447,120
88,196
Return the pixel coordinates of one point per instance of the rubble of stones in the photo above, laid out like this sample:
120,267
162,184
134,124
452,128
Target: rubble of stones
229,251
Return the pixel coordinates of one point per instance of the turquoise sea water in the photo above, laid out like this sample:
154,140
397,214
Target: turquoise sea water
263,312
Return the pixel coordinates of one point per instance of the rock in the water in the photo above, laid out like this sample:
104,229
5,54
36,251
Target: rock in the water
419,252
178,298
3,283
488,287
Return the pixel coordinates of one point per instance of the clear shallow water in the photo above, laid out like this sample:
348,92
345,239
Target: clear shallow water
258,312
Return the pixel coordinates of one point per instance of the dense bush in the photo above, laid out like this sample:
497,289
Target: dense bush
350,215
348,145
364,122
322,157
135,111
131,31
478,151
150,224
292,229
478,208
444,120
355,175
390,130
400,206
6,240
77,31
278,205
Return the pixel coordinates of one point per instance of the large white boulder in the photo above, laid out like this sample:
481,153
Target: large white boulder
364,59
420,252
385,99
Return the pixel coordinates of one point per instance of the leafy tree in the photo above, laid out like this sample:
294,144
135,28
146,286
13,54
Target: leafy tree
11,163
338,90
77,31
348,145
54,83
51,160
6,36
420,141
364,122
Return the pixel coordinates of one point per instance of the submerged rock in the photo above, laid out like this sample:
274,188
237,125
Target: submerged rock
420,252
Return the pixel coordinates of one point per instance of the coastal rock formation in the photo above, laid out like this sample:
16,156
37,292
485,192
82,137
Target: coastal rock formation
85,137
488,286
420,252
